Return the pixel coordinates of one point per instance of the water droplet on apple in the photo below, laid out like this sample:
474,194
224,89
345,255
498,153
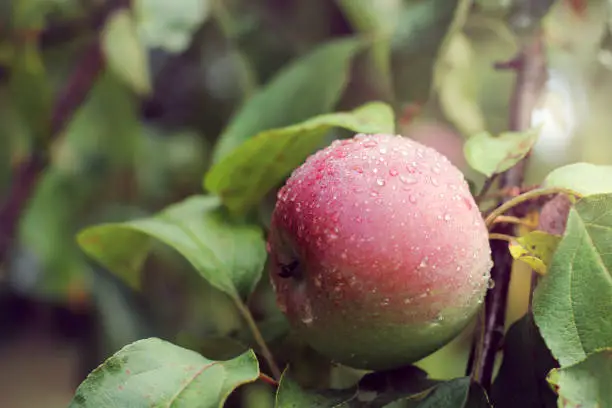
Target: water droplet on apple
447,217
491,284
380,182
408,179
393,172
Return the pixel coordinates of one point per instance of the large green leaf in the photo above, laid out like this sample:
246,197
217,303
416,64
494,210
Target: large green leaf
245,175
307,87
170,24
585,384
521,381
125,54
573,303
584,178
228,255
155,373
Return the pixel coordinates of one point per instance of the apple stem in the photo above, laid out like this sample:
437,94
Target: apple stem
263,347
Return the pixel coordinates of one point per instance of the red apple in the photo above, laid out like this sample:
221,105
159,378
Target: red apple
379,253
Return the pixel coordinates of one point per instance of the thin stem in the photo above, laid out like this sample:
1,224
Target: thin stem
485,189
502,237
508,219
530,195
268,380
263,347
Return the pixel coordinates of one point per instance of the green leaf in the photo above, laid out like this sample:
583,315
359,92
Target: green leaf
521,381
460,393
421,37
307,87
585,384
125,54
491,155
584,178
379,20
291,395
153,372
31,91
245,175
571,305
375,390
170,24
229,256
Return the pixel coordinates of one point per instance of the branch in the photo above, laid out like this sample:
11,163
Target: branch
26,175
530,66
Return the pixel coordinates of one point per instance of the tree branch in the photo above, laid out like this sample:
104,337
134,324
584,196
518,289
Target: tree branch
530,66
26,175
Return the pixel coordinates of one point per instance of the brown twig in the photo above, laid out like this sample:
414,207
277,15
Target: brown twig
27,173
530,66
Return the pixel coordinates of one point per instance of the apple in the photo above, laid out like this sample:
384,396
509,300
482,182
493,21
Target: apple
379,254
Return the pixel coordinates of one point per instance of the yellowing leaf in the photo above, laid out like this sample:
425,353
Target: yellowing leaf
535,249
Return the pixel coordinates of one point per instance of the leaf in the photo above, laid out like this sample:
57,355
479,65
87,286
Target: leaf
422,34
153,372
291,395
521,381
586,383
379,20
229,256
307,87
374,390
491,155
170,24
571,305
535,249
31,91
243,177
460,393
584,178
125,54
457,86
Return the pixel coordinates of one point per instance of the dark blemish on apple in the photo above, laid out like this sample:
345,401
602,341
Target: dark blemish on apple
289,270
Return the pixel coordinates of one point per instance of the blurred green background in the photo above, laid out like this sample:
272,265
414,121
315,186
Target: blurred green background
160,81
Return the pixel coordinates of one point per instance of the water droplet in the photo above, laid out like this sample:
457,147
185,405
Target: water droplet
383,150
380,182
447,217
385,302
393,172
408,179
435,169
423,263
407,300
373,193
369,143
374,170
412,199
491,284
435,181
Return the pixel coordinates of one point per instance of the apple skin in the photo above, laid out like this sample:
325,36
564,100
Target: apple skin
379,254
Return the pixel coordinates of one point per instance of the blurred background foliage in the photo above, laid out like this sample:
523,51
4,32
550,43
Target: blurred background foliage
125,102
